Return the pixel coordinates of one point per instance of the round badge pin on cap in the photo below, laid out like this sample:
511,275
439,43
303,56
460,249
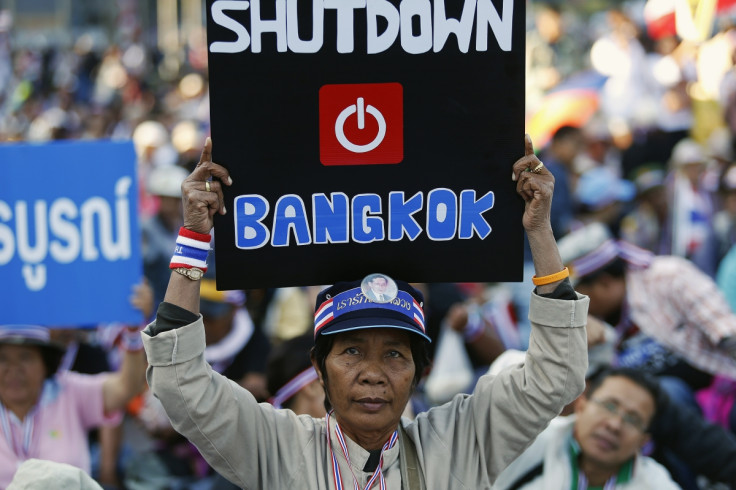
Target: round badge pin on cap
379,288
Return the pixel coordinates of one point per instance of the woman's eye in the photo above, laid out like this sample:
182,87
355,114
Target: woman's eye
351,350
394,353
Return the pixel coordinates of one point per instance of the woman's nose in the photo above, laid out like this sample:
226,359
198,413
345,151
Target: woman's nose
372,373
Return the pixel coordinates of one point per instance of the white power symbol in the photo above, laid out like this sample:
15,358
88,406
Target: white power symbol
360,108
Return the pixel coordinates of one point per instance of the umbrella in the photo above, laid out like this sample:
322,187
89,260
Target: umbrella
725,5
572,103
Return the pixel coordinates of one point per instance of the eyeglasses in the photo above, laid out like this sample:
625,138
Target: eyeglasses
629,419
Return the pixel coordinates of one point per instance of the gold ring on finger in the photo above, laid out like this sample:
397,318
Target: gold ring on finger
207,186
538,168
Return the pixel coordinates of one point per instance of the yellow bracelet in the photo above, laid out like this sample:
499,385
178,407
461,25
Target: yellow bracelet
557,276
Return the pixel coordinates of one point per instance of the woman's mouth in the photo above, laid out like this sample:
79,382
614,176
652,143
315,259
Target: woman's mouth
372,404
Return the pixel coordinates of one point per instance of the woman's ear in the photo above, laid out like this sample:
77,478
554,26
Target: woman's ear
316,368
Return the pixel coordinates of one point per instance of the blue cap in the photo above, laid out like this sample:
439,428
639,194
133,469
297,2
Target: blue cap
376,301
599,187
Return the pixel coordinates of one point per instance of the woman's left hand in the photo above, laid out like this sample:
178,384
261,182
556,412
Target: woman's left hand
535,184
201,192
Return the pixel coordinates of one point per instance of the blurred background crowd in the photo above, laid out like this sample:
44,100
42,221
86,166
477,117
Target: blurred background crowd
632,105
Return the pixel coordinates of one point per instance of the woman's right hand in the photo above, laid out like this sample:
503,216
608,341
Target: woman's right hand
201,204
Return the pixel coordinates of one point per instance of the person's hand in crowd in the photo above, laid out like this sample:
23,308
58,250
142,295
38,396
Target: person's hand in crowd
457,317
535,184
202,192
142,299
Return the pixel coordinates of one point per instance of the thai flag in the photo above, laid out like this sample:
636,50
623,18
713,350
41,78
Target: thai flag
323,315
418,315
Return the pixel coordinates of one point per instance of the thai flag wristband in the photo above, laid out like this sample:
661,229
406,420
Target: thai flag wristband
191,250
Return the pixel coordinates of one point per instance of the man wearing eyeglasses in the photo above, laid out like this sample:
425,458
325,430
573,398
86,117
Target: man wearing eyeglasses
599,446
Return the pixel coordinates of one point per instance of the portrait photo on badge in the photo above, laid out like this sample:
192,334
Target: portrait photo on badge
379,288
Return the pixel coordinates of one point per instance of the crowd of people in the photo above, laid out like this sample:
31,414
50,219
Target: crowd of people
644,214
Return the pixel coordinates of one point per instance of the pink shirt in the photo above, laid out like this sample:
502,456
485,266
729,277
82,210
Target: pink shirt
56,429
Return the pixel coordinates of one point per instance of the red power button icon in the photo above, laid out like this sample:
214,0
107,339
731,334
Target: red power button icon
361,124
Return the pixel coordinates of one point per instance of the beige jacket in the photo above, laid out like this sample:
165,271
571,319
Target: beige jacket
463,444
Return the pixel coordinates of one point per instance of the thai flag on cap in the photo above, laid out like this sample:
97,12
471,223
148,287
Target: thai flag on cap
323,315
418,315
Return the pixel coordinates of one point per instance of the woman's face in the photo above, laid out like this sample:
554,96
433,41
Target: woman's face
370,374
22,373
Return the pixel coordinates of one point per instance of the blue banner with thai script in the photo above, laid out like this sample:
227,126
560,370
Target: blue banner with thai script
70,249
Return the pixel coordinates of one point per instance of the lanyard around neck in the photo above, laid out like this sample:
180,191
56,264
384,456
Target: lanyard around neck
22,448
582,483
579,480
336,475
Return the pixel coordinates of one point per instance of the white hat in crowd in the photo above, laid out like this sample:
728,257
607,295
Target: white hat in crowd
36,474
687,151
166,181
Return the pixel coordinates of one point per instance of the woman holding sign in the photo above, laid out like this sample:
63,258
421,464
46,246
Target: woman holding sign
369,355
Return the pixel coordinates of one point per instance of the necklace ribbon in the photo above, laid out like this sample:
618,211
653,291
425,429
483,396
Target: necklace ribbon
22,449
583,482
336,475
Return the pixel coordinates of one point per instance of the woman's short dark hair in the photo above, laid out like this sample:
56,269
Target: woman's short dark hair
323,345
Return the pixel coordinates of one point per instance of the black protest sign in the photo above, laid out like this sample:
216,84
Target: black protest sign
367,136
